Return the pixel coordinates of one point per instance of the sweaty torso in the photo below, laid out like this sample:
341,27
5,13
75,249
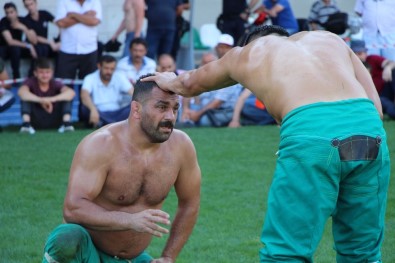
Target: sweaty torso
130,15
136,181
296,71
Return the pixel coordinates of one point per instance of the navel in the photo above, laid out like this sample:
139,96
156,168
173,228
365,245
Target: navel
121,197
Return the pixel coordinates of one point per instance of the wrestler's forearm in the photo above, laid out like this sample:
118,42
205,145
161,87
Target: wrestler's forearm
180,231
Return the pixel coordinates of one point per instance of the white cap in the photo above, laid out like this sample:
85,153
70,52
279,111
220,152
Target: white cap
226,39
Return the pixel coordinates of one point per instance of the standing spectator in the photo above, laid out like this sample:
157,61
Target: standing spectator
102,94
182,26
382,72
132,22
6,96
234,16
45,102
281,14
38,20
137,63
161,16
12,29
78,21
320,12
378,26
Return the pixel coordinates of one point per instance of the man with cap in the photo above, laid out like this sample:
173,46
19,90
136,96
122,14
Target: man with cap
215,108
381,70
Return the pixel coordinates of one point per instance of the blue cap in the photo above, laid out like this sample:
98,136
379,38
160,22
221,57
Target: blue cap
358,46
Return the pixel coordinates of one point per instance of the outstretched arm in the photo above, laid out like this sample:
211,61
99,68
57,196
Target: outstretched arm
212,76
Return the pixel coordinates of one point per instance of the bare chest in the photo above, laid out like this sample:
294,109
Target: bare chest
141,181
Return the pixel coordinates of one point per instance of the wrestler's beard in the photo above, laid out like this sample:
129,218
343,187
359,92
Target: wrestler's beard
154,133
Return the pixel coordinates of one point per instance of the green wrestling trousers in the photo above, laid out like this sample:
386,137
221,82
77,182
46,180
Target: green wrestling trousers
71,243
333,161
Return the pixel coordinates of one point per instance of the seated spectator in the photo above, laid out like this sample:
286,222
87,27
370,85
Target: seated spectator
382,71
320,12
250,111
281,14
12,46
102,94
210,109
38,20
166,63
137,64
45,102
6,96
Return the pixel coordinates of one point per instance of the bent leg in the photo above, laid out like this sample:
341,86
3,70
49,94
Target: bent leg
358,223
302,197
70,243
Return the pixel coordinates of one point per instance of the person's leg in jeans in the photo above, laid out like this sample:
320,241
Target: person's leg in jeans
153,38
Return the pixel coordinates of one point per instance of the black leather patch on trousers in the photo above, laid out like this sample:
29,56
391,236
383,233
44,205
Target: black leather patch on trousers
358,148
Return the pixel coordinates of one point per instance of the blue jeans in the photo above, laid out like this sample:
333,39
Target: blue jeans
160,41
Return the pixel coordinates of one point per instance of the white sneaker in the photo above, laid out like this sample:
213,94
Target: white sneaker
68,128
29,130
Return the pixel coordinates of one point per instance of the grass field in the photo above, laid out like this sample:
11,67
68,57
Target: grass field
237,167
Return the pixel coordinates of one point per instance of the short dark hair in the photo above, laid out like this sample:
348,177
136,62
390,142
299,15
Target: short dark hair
9,5
142,89
43,63
265,30
107,59
138,40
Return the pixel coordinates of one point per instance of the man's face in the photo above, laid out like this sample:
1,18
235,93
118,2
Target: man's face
222,49
166,64
11,14
159,114
106,70
138,51
44,75
362,55
30,5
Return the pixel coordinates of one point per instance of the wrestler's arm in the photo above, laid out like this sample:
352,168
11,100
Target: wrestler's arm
212,76
88,174
366,81
187,188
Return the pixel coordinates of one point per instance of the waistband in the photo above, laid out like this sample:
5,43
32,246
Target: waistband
331,119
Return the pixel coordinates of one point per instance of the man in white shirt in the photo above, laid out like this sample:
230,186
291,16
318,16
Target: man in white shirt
78,21
378,26
137,64
102,94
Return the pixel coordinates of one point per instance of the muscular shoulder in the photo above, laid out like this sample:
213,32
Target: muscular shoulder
102,144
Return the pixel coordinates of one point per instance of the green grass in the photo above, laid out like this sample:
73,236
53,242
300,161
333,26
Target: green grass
237,167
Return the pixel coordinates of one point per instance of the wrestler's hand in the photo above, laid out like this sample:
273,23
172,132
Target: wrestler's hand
162,79
162,260
147,222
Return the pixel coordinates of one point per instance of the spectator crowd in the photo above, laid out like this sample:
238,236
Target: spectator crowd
107,81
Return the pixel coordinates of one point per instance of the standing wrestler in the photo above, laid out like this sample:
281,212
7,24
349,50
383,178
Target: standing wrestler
330,162
119,179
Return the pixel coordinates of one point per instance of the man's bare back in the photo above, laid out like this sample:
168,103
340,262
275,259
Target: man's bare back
285,73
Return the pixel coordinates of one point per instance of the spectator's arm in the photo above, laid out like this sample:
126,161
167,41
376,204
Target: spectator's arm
87,100
388,66
121,28
66,94
235,122
66,22
25,95
88,18
139,8
277,8
214,104
13,42
4,76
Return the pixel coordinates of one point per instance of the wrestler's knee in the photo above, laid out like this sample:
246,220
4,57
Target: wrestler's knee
65,242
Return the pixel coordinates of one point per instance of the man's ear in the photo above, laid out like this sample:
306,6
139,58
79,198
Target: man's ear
136,109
